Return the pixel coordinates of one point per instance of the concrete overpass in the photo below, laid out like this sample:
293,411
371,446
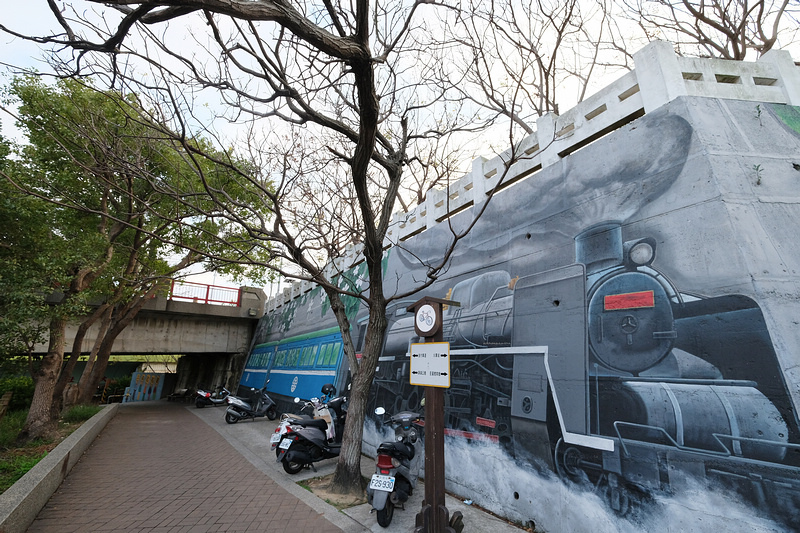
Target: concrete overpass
210,326
194,319
169,326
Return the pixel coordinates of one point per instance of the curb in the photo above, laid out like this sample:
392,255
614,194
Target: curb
21,503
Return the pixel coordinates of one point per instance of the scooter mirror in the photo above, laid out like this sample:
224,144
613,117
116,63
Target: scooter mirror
380,411
296,399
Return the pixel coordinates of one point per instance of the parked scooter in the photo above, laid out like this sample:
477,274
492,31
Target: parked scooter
397,467
259,405
313,440
204,397
317,409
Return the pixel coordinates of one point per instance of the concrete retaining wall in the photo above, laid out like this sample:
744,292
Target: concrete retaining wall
20,504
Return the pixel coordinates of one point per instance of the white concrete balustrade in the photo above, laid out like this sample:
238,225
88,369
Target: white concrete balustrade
659,77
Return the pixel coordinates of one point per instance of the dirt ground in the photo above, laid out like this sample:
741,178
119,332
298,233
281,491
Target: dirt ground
319,486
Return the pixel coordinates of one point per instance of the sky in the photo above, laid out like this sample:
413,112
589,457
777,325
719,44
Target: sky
34,17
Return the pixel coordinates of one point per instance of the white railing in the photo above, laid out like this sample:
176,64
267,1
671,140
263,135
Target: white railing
659,77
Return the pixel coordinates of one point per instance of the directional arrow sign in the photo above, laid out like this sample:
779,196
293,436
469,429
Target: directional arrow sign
430,364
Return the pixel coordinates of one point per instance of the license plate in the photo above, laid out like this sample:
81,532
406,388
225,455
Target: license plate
380,482
275,437
285,443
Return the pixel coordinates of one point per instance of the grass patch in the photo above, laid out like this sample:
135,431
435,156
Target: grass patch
80,413
15,461
10,426
14,466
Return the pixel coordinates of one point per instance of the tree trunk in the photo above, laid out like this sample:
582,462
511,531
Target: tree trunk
347,478
40,422
66,373
85,387
88,385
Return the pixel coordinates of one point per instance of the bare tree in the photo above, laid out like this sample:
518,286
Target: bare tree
717,28
521,60
354,109
342,98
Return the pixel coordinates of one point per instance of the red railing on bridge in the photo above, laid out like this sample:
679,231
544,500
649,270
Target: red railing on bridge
204,293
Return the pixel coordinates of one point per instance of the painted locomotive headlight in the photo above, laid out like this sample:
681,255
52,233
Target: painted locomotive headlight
640,252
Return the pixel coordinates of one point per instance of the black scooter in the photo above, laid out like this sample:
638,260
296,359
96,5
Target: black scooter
204,397
303,445
259,405
396,468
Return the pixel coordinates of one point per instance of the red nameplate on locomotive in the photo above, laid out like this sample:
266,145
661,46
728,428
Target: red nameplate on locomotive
631,300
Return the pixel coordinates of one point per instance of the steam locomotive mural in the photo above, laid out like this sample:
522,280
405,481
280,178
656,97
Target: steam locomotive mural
573,351
652,394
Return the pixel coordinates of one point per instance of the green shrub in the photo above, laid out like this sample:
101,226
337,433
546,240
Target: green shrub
22,387
79,413
117,385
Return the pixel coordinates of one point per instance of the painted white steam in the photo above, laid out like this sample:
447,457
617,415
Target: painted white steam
487,475
490,477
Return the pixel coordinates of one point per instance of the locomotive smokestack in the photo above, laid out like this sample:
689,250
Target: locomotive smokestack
600,246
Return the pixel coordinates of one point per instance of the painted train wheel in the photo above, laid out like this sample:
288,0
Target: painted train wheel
568,461
624,499
618,499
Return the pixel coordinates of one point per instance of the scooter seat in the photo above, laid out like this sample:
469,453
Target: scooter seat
318,423
396,448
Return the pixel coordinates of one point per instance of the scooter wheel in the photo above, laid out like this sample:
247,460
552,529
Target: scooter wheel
199,403
230,419
385,515
290,467
272,413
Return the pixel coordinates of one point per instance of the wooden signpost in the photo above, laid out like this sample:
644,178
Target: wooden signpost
430,367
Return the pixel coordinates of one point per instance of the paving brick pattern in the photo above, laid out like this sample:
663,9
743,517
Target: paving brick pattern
158,468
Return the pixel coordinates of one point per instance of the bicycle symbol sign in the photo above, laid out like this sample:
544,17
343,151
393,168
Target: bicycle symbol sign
426,319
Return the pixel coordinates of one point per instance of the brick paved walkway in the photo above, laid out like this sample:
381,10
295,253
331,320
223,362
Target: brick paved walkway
158,468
